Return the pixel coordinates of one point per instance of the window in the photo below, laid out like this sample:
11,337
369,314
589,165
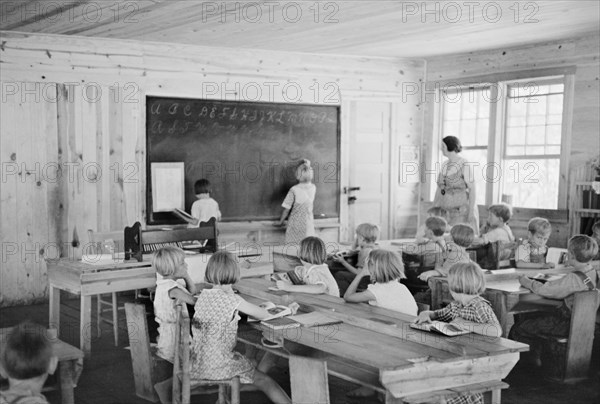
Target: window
512,134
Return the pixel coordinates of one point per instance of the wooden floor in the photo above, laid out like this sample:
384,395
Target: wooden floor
107,376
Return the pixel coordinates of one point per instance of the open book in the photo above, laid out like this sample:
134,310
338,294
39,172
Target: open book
540,277
182,214
557,255
280,323
441,327
275,310
290,277
314,319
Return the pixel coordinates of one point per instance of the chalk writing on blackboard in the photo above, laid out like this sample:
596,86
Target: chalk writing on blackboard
247,150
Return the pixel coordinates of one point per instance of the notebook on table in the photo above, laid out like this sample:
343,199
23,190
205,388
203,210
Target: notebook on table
440,327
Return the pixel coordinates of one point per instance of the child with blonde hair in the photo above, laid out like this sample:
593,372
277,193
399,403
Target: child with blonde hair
172,283
556,324
298,204
385,269
531,253
462,237
27,360
314,272
365,239
468,311
214,329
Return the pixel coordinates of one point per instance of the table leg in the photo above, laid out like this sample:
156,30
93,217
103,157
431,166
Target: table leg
66,382
85,325
54,315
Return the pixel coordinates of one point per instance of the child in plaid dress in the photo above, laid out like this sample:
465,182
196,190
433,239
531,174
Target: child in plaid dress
215,326
468,311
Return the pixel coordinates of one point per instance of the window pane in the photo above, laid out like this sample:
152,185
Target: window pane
516,108
483,126
516,120
555,119
467,134
451,108
535,150
536,120
515,151
483,108
532,184
537,105
553,134
552,149
555,104
557,88
515,136
469,106
536,135
451,127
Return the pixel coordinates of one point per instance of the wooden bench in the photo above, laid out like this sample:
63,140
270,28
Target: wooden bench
353,372
148,369
568,359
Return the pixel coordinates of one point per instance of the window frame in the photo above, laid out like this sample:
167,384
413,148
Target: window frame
498,84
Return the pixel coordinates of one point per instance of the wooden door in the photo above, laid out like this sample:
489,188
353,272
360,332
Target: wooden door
369,166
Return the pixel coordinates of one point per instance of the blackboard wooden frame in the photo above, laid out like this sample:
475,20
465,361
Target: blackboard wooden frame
281,134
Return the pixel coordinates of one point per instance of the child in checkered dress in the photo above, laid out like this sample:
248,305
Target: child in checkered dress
468,311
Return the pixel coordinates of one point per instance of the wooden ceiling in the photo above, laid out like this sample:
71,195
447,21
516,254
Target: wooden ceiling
402,29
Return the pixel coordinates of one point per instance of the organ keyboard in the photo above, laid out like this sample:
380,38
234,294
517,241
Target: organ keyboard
138,242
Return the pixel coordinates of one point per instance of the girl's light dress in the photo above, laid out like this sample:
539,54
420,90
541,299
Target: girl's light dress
166,316
299,200
214,330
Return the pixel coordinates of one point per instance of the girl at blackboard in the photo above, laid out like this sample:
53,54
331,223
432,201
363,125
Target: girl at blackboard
299,205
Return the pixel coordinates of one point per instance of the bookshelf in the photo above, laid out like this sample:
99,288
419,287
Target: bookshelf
584,206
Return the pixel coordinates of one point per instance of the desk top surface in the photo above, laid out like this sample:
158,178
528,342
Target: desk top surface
62,350
374,336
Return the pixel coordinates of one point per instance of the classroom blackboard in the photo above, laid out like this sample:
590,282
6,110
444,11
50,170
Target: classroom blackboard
249,152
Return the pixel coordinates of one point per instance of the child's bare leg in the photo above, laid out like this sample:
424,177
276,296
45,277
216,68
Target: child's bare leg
273,390
164,390
267,362
362,391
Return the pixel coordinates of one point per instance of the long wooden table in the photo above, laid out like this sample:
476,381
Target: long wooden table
504,292
70,365
408,362
87,280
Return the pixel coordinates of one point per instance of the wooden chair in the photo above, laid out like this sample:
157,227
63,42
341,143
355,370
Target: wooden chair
96,240
496,255
568,359
182,386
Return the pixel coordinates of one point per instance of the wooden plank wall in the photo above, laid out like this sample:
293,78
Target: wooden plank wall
583,53
92,128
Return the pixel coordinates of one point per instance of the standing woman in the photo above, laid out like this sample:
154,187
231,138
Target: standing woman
299,205
456,186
